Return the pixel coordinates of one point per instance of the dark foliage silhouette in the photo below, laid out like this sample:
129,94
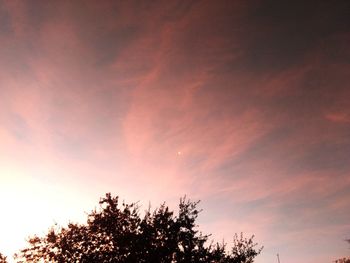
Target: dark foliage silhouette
119,234
343,260
3,259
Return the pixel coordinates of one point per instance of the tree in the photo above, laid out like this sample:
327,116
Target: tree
119,234
3,259
343,260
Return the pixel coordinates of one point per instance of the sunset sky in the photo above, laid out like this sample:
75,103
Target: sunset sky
244,105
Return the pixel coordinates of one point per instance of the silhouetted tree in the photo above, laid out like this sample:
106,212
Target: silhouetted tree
343,260
3,259
120,234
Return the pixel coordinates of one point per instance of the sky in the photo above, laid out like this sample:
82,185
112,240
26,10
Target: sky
244,105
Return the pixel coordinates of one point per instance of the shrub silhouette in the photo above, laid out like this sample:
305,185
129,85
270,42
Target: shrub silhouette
119,234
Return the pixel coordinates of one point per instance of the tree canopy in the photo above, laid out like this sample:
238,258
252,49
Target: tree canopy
343,260
118,233
3,259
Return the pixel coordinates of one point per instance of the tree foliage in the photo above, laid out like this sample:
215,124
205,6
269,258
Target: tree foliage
3,259
119,234
343,260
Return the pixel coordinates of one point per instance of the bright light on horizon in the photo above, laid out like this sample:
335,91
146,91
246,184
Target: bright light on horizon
30,206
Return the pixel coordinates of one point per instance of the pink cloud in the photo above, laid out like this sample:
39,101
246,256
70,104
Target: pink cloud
338,117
